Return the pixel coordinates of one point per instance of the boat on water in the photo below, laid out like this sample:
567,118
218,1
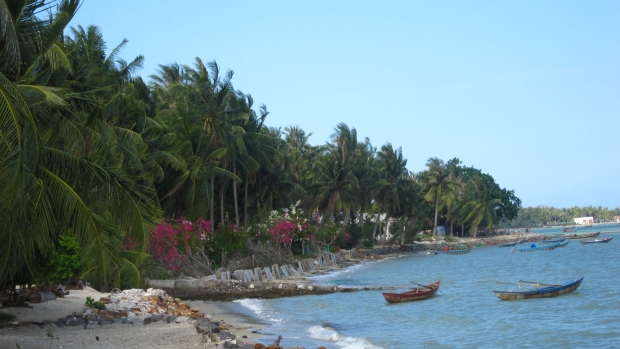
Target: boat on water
538,290
455,249
569,230
534,247
596,241
458,251
553,241
509,244
418,293
582,236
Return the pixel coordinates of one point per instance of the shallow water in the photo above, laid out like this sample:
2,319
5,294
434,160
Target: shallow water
465,313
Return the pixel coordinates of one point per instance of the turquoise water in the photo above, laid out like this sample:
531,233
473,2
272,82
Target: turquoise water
465,313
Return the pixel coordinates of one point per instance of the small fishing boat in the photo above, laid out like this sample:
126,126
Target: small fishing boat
455,249
533,247
582,236
569,229
459,250
553,241
508,244
419,293
563,243
536,291
596,241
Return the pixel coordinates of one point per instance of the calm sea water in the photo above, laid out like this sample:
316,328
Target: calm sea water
465,313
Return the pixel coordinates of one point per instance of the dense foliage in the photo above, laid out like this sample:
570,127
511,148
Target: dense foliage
182,174
550,216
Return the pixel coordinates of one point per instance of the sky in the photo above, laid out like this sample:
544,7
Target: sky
526,91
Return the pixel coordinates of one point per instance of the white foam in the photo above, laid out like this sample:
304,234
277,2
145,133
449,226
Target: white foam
329,334
259,308
338,274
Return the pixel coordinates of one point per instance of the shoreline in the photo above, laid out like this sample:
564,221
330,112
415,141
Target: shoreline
35,325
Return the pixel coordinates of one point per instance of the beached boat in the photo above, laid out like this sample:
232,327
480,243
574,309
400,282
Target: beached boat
459,251
415,294
596,241
553,241
539,290
582,236
568,230
534,247
508,244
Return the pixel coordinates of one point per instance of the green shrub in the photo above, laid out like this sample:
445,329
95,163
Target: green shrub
91,303
5,317
65,262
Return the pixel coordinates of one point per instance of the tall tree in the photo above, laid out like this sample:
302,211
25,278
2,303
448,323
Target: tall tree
60,167
480,208
437,184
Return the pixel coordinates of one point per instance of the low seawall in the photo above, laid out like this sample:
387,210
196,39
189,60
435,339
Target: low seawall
232,290
290,279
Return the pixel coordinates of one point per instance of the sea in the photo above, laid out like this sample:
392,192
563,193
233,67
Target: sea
465,313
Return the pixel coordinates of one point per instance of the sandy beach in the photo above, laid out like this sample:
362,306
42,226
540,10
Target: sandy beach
24,334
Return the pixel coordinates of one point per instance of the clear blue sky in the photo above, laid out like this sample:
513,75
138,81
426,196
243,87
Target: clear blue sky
527,91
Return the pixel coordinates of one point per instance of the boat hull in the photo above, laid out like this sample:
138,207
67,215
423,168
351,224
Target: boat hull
455,251
544,247
582,236
508,244
545,292
413,295
553,241
597,241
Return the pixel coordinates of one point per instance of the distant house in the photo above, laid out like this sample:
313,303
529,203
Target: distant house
616,218
584,220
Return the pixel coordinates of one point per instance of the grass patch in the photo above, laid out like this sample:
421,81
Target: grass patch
5,317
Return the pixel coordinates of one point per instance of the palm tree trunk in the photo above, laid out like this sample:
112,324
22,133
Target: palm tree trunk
387,225
245,204
235,194
222,204
451,228
374,231
475,229
212,202
361,218
436,212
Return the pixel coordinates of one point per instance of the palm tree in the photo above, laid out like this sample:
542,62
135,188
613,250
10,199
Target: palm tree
480,208
334,178
58,171
437,184
393,178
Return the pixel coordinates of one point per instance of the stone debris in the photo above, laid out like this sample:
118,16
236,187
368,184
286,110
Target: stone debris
152,304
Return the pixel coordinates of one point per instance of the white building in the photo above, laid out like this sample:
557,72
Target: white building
584,220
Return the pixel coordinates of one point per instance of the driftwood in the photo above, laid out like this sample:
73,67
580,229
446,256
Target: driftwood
41,296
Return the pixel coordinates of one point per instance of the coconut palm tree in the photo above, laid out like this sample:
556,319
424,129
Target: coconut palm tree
437,185
58,170
393,178
334,177
480,208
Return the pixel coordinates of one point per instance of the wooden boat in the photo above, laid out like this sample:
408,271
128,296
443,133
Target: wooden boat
536,291
461,251
569,229
596,241
533,247
553,241
508,244
563,243
582,236
415,294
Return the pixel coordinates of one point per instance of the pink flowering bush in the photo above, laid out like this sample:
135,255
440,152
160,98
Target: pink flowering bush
286,228
173,241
